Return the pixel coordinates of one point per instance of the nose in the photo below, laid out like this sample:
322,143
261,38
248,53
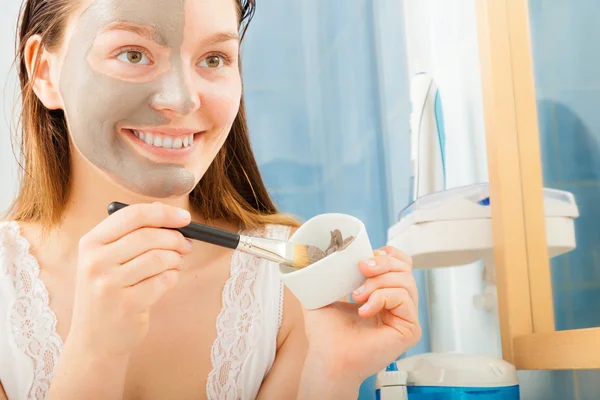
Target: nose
176,95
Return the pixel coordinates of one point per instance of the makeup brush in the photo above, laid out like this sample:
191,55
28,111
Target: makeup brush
282,252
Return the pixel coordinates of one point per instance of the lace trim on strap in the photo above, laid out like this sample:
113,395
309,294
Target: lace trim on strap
238,326
280,311
285,236
32,322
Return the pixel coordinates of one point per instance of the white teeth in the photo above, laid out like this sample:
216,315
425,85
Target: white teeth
164,141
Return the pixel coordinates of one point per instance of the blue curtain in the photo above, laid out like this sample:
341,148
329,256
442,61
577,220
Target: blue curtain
311,90
328,107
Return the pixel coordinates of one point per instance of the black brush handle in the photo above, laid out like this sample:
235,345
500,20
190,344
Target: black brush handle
194,230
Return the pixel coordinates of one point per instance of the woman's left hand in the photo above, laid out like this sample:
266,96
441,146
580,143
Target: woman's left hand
351,343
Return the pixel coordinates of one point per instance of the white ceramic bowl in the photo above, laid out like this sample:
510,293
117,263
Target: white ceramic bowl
336,275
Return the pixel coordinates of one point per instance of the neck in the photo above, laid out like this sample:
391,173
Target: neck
91,191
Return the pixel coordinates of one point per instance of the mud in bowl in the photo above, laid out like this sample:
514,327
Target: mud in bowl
336,275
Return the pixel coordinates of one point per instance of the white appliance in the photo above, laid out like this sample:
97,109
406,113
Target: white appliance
427,137
448,228
448,376
442,229
449,291
454,227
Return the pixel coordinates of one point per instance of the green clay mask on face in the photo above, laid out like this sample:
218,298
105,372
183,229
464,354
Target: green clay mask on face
101,97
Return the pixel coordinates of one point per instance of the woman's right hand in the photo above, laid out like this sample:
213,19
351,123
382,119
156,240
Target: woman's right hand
126,264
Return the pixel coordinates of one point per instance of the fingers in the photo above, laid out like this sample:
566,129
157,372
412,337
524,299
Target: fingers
390,285
405,320
394,252
397,301
384,263
387,298
391,280
133,217
151,290
143,240
148,265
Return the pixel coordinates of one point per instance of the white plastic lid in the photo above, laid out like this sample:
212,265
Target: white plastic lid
458,370
558,203
475,193
391,378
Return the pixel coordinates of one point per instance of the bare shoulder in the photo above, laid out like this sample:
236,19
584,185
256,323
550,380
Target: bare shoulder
2,393
293,317
283,379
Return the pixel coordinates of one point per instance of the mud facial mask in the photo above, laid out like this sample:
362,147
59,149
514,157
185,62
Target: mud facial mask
105,93
338,243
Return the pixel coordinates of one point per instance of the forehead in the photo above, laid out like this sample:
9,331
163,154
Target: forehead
168,20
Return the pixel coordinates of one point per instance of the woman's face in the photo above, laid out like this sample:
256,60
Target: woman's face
150,89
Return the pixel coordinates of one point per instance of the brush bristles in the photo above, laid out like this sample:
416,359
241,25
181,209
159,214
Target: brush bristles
305,255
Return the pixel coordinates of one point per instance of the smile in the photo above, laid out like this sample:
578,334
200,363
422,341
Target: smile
165,141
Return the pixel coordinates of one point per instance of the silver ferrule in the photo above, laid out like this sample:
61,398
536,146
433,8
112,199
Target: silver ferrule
270,249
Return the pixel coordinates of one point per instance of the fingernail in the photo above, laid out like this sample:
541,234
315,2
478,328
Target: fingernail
189,243
371,263
364,307
184,214
359,290
382,252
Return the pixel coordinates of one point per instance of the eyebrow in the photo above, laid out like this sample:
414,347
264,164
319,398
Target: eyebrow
145,31
220,38
150,33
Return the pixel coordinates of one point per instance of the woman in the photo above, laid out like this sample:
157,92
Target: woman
140,101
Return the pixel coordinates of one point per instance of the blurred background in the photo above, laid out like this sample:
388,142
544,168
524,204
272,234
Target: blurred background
328,92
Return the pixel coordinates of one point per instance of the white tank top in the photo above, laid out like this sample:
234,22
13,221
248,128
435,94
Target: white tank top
241,356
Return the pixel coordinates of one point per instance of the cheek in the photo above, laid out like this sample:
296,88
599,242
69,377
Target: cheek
99,104
223,102
94,103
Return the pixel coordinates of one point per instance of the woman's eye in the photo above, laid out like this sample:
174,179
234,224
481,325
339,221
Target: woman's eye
212,62
133,57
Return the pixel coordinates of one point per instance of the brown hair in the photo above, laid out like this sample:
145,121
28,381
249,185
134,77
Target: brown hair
232,188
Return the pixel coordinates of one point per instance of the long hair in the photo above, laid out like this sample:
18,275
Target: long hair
232,188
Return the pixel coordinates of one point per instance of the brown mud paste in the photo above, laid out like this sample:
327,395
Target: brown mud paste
337,243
